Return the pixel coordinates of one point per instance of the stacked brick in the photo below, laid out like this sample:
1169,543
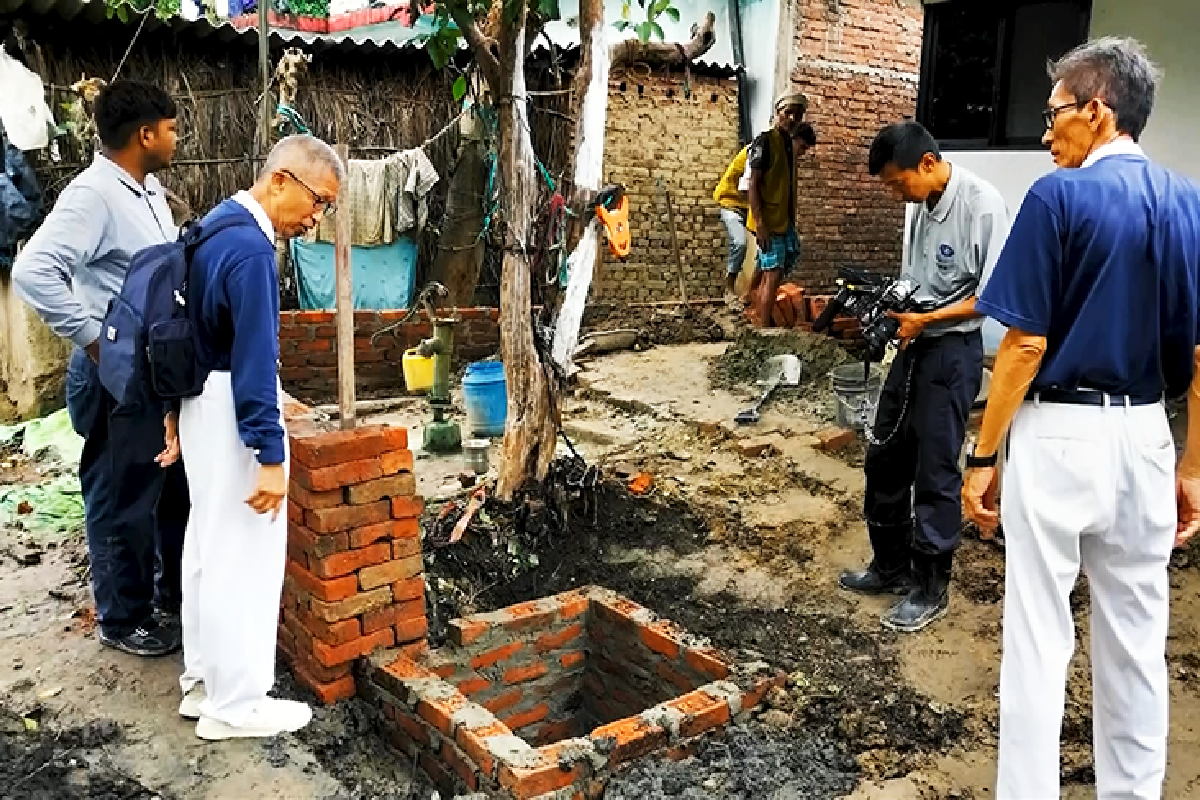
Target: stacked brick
308,347
858,61
447,708
656,132
355,577
795,308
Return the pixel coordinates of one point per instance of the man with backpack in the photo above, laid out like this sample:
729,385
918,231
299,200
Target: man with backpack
235,447
135,494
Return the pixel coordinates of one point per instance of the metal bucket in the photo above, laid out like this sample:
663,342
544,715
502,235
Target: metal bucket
857,398
475,454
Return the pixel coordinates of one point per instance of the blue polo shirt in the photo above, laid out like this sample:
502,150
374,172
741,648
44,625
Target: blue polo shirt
1104,261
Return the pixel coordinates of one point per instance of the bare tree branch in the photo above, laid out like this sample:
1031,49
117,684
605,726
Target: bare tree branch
484,48
630,50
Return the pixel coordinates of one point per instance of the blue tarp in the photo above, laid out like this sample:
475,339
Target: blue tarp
383,276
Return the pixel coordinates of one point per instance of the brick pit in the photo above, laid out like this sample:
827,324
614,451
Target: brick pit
543,699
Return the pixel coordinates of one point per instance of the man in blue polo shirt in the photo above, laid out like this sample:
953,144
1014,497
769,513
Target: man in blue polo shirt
1099,283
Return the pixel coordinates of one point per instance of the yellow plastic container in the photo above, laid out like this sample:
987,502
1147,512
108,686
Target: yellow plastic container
418,371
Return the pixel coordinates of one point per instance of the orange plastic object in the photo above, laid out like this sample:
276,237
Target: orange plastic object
641,483
616,222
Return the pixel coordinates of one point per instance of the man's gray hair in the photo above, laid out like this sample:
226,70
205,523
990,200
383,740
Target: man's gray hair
303,152
1115,70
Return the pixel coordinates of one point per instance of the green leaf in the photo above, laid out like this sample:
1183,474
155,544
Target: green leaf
548,9
123,14
621,25
672,12
658,31
460,88
642,29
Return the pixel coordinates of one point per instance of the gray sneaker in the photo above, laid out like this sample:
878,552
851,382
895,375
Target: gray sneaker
148,641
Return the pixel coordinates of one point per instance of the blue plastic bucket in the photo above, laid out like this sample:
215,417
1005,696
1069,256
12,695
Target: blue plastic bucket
486,398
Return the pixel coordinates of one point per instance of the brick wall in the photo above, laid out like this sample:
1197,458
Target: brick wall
859,62
308,348
655,132
355,576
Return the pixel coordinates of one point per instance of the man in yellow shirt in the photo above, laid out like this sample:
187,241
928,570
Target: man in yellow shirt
734,206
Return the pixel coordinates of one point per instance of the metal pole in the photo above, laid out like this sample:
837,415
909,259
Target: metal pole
264,65
345,302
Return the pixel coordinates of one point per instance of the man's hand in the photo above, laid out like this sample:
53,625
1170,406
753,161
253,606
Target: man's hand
979,499
93,351
911,325
764,240
270,491
170,453
1187,503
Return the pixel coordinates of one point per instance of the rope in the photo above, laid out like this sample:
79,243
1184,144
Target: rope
291,116
129,49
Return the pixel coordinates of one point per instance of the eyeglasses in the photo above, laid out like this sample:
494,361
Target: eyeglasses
1051,114
319,202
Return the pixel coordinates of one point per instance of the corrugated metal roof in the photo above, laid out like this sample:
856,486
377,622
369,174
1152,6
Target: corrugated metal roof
385,37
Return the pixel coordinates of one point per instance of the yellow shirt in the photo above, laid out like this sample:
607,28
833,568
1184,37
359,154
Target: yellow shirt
778,184
726,194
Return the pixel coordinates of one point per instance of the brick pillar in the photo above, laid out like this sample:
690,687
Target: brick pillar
355,579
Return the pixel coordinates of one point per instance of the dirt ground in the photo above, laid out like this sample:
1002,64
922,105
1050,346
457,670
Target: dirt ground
743,550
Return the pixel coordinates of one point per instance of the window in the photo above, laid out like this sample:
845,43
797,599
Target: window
983,67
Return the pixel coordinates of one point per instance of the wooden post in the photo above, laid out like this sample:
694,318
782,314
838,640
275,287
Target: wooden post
345,300
675,245
264,65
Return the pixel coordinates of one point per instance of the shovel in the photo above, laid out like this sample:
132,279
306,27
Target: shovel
777,371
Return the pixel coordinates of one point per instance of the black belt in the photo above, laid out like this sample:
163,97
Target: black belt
1089,397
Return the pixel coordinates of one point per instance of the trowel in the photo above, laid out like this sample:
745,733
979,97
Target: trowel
777,371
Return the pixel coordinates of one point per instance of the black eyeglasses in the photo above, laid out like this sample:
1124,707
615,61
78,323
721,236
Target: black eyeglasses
1051,113
319,202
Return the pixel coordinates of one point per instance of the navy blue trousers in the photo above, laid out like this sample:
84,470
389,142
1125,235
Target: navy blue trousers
914,484
136,511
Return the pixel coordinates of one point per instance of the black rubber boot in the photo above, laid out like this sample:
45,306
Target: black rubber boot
929,599
889,571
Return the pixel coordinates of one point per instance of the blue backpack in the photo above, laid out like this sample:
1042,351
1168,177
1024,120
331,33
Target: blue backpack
148,347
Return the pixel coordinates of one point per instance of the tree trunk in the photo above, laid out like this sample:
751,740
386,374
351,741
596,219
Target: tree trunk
460,246
532,426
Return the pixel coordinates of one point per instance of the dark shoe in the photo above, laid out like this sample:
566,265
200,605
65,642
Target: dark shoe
148,641
874,581
168,619
929,599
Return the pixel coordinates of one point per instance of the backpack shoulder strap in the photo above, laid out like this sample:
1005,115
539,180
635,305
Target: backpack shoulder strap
197,233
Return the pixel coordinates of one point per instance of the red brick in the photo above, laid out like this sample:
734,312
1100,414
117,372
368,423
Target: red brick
340,564
333,634
406,548
465,631
484,660
526,673
503,701
529,783
315,500
552,641
438,772
708,661
572,605
526,718
396,461
833,439
680,681
340,447
633,738
354,606
438,713
527,615
340,475
411,629
365,645
331,591
569,660
405,507
391,529
472,743
474,685
295,513
658,638
393,676
410,589
328,693
343,518
403,484
387,617
460,764
556,731
317,545
412,726
390,571
702,712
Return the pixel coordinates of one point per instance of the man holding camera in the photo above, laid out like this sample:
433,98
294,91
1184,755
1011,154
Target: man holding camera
913,510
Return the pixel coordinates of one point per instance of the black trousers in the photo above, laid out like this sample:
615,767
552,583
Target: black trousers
914,485
136,511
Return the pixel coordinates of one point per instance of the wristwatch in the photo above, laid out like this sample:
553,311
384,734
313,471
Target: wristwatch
976,462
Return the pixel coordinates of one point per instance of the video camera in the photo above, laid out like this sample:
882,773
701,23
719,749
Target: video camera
869,296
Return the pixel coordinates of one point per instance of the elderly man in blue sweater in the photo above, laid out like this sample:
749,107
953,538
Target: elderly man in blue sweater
235,450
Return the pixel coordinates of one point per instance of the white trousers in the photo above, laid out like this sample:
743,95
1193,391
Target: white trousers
233,562
1090,486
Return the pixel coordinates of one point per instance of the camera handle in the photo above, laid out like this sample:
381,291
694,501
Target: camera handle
868,429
